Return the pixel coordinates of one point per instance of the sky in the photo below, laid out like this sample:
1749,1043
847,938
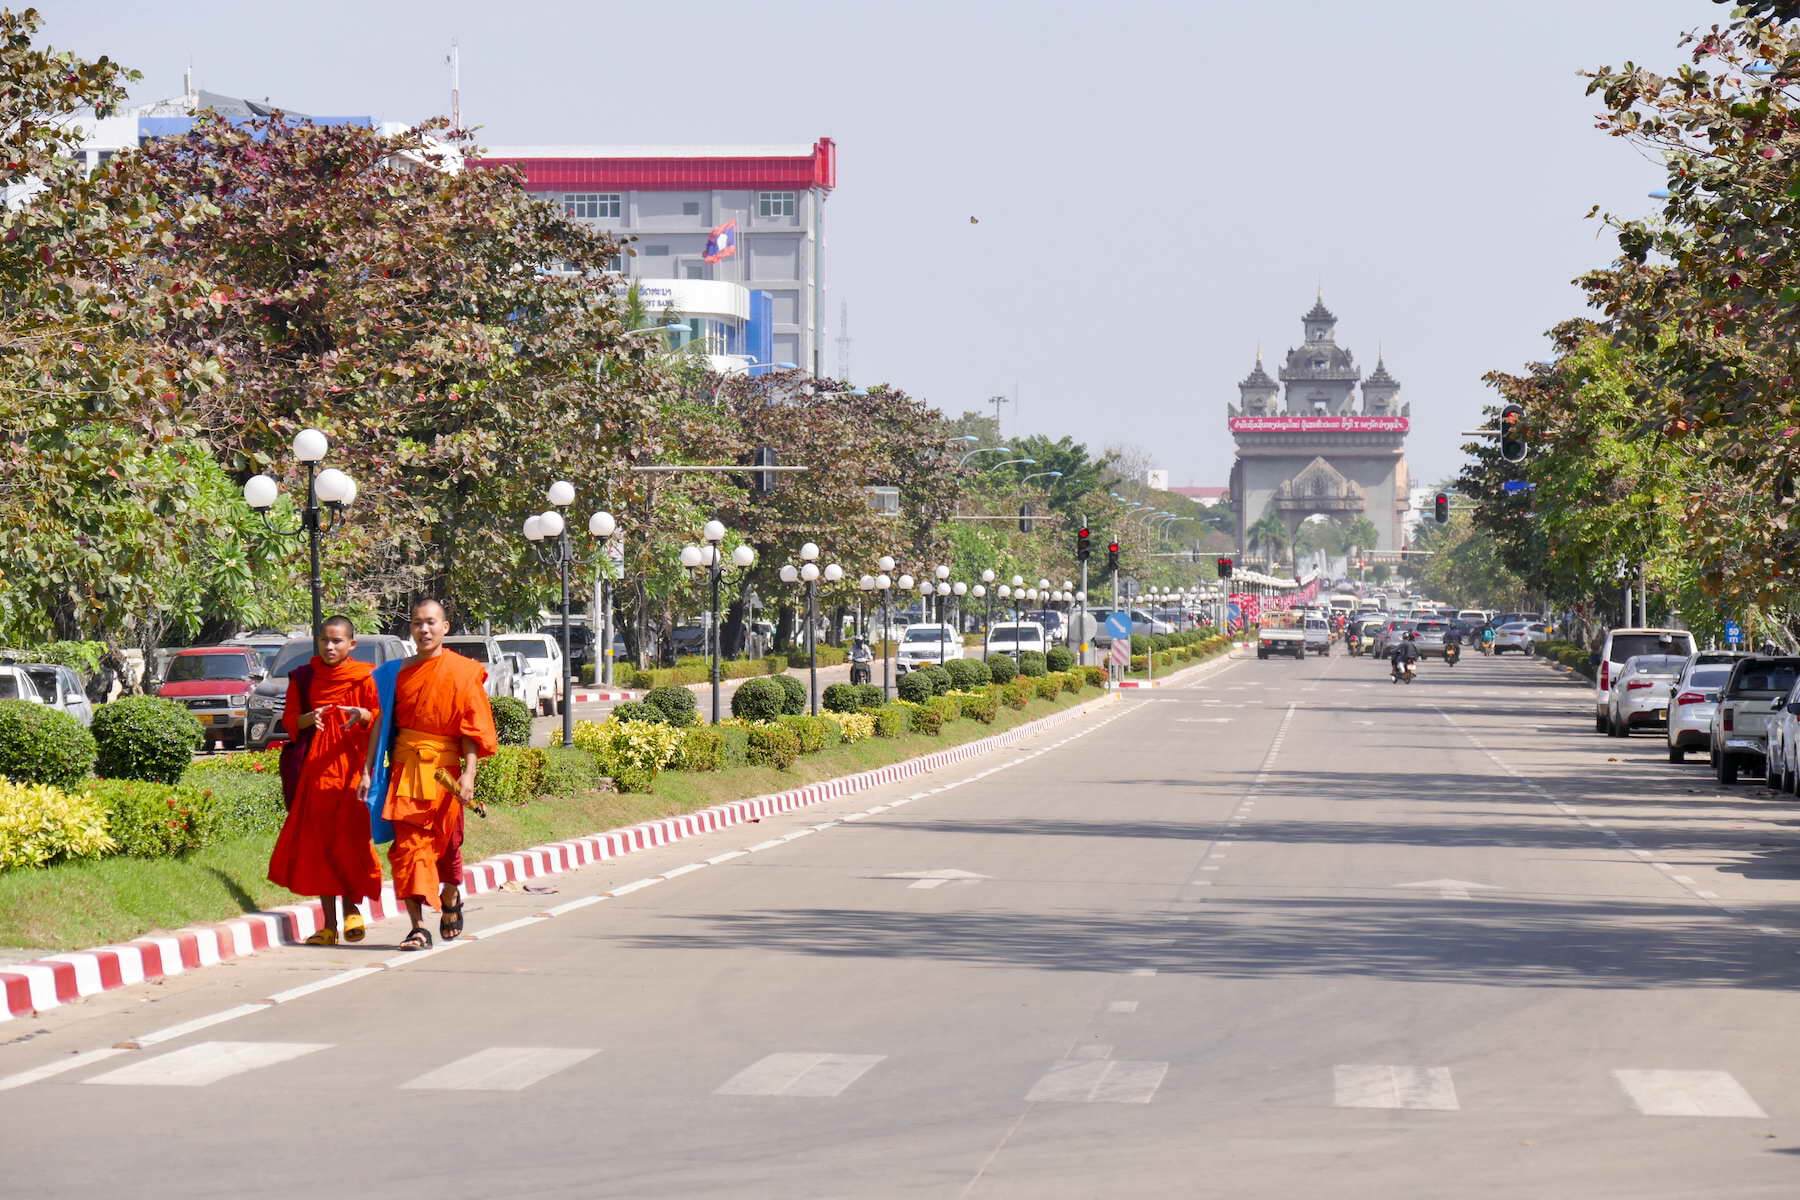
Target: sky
1161,187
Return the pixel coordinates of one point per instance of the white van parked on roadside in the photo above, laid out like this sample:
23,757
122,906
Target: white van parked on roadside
544,675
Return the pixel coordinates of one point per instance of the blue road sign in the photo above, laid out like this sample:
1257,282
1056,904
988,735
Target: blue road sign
1118,625
1734,633
1514,486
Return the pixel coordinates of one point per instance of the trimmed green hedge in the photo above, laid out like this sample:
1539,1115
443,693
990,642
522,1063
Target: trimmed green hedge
1002,668
144,737
696,671
512,775
570,771
40,744
773,746
1569,654
675,705
793,695
757,700
512,720
914,687
1031,662
156,820
967,674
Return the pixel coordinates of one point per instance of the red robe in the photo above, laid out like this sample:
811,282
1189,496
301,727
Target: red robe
438,702
324,847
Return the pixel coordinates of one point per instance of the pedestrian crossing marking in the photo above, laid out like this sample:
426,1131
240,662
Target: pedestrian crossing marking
1098,1081
1688,1094
1362,1085
501,1069
205,1063
799,1074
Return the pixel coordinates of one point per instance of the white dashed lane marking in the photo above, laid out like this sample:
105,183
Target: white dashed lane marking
1098,1081
1688,1094
501,1069
206,1062
1361,1085
796,1074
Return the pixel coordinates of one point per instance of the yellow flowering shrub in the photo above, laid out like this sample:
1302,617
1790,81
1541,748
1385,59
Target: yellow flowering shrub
854,726
40,824
630,753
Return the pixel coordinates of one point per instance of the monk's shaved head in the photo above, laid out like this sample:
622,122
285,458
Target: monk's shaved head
421,606
339,622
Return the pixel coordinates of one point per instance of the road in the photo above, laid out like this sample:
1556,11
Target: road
1289,932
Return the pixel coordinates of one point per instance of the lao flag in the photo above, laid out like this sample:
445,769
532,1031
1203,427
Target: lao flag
721,243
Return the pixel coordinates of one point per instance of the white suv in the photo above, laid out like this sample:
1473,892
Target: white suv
1016,639
543,676
1622,644
926,645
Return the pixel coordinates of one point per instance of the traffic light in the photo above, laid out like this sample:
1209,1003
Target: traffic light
1112,557
1512,437
1024,518
1441,509
1224,565
1083,544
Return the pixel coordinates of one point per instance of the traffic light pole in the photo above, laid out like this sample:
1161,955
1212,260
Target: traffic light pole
1083,611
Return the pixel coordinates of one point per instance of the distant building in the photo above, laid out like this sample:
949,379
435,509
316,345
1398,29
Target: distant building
670,198
1205,497
1156,479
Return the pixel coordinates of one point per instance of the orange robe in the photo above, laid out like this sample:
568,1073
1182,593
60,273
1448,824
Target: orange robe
324,847
437,703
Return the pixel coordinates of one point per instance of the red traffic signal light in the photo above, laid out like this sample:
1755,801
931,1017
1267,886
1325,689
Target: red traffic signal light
1224,565
1441,509
1083,545
1112,557
1512,440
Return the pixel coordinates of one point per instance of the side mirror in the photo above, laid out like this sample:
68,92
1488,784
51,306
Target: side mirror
257,676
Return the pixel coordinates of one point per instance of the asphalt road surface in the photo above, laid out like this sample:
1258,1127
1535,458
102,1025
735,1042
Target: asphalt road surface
1290,932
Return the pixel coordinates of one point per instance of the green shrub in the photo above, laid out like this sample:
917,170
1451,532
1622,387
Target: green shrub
810,730
247,803
676,704
1095,676
734,750
1049,687
1059,658
250,762
512,720
891,721
759,699
1031,662
570,771
702,749
1017,694
40,744
793,695
938,676
511,776
852,727
840,698
925,718
1071,681
626,711
156,820
1002,668
829,656
913,687
869,697
40,824
949,707
144,737
773,746
967,674
981,706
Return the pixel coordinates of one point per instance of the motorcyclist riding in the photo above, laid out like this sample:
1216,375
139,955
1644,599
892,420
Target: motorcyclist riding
860,658
1403,656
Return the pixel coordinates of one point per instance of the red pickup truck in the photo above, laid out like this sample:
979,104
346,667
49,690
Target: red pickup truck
214,683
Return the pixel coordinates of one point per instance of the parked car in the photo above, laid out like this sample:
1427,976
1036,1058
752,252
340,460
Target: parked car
1056,629
581,641
1016,639
48,684
1641,692
268,699
925,644
1522,637
15,684
268,646
1622,644
1755,692
1315,634
487,652
214,682
691,639
542,676
1695,698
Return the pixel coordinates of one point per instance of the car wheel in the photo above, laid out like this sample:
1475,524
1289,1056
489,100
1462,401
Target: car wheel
1725,769
1677,754
1600,722
1613,728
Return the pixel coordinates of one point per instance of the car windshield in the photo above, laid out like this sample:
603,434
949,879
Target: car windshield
300,650
191,667
477,650
1766,677
1709,677
1632,645
926,633
529,647
1658,664
1014,633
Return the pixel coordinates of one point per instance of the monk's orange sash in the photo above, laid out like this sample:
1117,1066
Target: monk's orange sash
415,797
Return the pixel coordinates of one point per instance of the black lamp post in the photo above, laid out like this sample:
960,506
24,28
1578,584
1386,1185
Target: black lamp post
328,493
712,559
551,526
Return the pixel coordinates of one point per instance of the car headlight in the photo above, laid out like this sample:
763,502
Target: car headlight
262,704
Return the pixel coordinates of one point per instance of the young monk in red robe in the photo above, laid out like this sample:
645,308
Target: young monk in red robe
443,726
324,848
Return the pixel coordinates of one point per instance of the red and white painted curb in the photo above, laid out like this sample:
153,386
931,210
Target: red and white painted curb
58,979
602,695
1168,680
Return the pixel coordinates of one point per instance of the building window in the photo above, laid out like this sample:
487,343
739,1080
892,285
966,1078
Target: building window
774,204
591,205
690,208
656,252
885,501
616,264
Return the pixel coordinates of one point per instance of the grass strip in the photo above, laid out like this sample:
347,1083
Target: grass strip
75,905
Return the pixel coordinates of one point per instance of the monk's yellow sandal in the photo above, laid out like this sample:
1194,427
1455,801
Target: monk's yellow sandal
325,937
354,929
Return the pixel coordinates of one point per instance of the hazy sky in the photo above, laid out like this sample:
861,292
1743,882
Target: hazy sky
1160,186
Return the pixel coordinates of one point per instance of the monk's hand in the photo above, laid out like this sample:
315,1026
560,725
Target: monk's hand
362,788
465,786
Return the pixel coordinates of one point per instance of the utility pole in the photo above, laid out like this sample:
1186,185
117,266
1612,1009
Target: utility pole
454,62
997,401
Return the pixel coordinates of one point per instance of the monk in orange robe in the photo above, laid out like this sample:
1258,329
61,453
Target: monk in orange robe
443,726
324,849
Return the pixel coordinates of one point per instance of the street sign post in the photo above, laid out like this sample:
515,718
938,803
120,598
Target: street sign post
1513,487
1734,634
1118,628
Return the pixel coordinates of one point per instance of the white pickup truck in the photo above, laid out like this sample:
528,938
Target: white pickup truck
1275,640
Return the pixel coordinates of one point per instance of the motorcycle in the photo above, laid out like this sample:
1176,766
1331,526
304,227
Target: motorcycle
1354,642
861,658
1405,672
1452,652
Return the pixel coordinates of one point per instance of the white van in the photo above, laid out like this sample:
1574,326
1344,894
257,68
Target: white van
1009,639
544,674
1621,644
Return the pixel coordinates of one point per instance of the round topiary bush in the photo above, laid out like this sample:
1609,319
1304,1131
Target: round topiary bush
512,720
793,694
40,744
676,704
1059,658
144,737
869,697
635,710
758,699
914,687
1002,668
939,677
967,674
1031,662
841,698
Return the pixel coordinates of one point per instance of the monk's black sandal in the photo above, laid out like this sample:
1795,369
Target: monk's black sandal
417,939
450,926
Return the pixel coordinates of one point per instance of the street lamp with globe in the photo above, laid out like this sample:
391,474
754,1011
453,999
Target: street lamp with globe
328,493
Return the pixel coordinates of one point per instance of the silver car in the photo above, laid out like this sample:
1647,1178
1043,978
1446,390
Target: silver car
1640,692
1756,692
1691,707
1522,636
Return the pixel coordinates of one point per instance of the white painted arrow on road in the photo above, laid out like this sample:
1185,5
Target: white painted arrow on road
1450,889
936,879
